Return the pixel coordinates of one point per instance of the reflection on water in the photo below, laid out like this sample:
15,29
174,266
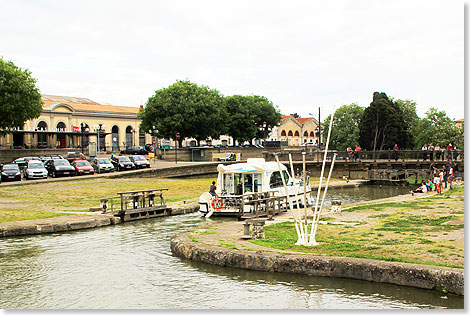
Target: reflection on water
131,266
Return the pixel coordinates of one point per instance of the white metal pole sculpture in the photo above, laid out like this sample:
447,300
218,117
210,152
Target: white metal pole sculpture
303,237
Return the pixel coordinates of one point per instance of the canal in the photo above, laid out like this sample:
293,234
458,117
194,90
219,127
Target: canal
130,266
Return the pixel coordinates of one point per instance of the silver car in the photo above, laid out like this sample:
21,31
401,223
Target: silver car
34,169
102,165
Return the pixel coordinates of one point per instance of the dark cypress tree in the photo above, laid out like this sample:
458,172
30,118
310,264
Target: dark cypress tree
382,125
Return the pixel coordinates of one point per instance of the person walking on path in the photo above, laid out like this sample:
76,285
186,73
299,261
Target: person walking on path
395,149
437,183
451,176
445,176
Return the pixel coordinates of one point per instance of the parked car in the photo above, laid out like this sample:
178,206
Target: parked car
102,165
34,169
122,163
48,157
72,156
83,167
308,144
60,167
139,161
10,171
135,150
24,160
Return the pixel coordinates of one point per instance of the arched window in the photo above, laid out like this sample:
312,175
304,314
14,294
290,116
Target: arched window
312,134
283,133
42,125
290,134
115,138
61,127
297,133
305,134
129,136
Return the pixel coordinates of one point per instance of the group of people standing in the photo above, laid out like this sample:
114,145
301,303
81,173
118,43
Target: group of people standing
439,178
439,152
353,155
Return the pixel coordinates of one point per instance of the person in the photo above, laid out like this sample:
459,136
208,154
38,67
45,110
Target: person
212,189
430,184
349,150
451,176
421,189
356,153
437,183
112,156
431,152
446,175
437,148
424,148
449,151
395,149
456,169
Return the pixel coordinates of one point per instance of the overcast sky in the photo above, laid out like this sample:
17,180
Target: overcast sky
301,55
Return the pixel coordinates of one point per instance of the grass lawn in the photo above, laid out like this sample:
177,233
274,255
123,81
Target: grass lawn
53,199
408,231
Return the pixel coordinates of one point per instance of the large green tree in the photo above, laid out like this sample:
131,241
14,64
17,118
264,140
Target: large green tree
20,99
345,129
186,108
242,123
382,125
267,116
437,128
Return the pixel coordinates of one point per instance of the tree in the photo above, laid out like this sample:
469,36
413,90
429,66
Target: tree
437,128
345,130
295,115
188,109
20,99
382,125
267,116
242,125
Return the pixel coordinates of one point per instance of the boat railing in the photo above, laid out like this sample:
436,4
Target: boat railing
259,203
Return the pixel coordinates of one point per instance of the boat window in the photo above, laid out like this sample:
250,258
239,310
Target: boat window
257,182
248,183
228,183
276,180
238,183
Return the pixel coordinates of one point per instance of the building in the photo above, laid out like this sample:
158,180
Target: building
72,122
296,131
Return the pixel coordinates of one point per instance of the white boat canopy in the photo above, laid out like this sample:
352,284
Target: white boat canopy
251,165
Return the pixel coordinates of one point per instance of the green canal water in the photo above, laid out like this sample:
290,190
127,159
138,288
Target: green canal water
130,266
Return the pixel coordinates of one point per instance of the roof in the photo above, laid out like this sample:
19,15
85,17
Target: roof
80,104
251,165
301,120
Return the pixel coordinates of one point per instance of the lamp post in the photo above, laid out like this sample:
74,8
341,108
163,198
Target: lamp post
99,128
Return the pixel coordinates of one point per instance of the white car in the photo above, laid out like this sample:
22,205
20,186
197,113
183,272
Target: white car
308,144
35,169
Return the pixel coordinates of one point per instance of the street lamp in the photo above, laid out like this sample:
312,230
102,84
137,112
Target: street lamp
83,130
99,128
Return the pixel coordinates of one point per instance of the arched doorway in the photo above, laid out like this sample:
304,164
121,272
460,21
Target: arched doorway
129,138
42,137
115,138
61,128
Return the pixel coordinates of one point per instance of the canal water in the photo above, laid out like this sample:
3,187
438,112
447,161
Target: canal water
130,266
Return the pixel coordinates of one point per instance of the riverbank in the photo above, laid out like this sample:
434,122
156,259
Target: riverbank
407,240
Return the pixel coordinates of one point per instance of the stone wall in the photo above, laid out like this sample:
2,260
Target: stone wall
420,276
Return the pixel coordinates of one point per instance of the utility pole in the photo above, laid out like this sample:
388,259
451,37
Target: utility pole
319,135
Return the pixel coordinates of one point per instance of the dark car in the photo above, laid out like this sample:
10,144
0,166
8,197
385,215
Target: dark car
139,161
72,156
10,171
60,167
24,160
122,163
48,157
135,151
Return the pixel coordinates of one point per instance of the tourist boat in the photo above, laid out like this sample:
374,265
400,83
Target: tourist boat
254,176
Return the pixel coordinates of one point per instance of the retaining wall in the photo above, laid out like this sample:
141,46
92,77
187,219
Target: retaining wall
420,276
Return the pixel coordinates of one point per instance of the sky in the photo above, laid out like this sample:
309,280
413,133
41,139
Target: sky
301,55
